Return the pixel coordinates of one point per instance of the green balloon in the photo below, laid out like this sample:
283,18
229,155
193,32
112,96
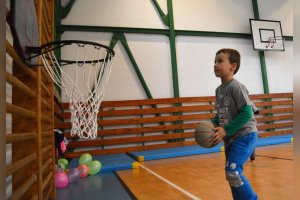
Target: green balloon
95,167
85,158
63,161
61,165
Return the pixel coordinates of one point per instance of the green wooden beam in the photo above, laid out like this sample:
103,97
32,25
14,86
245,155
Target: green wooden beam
158,31
121,37
163,16
57,36
66,10
114,29
263,64
288,38
105,29
173,49
255,9
264,72
261,53
57,20
213,34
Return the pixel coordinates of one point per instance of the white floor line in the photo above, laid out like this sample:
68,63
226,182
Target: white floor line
170,183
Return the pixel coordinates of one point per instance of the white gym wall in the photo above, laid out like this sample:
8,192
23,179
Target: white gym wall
195,54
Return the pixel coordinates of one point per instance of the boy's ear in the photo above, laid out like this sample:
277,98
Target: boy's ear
234,66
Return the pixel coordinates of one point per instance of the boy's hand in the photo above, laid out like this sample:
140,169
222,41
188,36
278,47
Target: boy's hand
218,135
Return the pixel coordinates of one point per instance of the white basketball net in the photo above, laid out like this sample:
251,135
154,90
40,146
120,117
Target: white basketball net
83,84
276,42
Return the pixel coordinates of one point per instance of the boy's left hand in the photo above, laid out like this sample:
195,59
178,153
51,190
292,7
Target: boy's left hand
218,135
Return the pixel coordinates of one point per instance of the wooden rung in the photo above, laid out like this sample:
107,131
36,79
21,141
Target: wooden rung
46,76
274,95
45,24
34,197
20,85
187,134
47,180
10,169
45,88
46,27
46,119
275,125
13,109
155,119
120,150
128,140
46,149
46,164
274,103
142,102
46,104
163,110
43,39
274,118
49,192
46,7
272,133
206,99
145,120
16,137
45,32
47,133
18,193
189,143
276,110
13,53
138,130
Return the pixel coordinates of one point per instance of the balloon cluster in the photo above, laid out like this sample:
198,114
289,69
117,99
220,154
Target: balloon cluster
87,166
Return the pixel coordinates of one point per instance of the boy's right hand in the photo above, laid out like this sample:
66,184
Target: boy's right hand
218,135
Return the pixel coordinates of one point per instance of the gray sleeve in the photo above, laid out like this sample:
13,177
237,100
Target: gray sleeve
254,108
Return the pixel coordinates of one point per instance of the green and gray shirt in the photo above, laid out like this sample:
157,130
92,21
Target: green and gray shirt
234,110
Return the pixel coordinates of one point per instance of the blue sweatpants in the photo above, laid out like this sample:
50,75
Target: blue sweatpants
237,153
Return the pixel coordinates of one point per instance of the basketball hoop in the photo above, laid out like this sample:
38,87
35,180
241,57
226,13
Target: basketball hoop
82,77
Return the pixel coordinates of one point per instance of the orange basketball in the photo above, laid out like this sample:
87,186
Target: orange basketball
203,134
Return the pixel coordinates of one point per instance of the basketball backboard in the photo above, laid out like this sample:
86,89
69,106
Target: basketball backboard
24,26
267,35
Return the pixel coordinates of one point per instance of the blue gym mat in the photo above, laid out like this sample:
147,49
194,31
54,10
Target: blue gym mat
272,140
173,152
193,150
111,162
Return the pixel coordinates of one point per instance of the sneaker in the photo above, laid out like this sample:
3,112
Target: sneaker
252,157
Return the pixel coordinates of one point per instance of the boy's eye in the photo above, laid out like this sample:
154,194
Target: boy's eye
218,61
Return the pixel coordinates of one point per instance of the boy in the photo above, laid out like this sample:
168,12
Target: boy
234,123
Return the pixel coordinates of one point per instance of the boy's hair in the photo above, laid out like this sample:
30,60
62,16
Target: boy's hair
233,56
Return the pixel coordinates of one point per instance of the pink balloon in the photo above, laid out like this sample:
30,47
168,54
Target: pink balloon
61,179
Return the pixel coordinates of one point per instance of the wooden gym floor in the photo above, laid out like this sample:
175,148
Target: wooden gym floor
203,177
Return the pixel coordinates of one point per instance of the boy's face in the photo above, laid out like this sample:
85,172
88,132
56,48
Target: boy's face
222,67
